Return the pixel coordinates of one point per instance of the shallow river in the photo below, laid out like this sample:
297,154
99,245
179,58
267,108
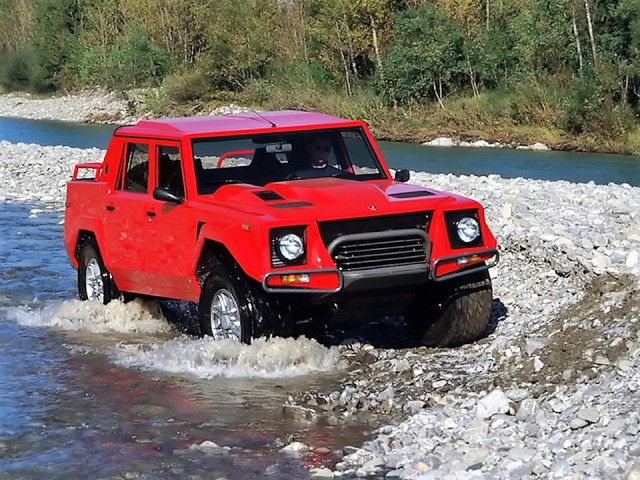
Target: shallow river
119,390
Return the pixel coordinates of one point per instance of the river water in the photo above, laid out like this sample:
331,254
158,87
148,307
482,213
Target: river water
122,391
508,163
127,391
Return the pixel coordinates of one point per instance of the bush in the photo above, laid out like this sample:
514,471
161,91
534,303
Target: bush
536,100
590,110
22,70
186,86
136,62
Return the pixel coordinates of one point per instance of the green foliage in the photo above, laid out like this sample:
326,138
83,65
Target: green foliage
427,54
591,110
57,23
537,101
241,40
135,61
525,65
22,70
186,86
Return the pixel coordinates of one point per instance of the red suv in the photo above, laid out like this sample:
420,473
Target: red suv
268,219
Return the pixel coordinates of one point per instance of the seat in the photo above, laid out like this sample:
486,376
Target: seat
265,166
170,175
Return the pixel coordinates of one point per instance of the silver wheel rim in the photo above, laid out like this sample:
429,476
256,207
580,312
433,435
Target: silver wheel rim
93,281
225,316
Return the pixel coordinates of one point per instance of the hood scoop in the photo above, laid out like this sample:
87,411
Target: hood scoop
268,195
412,194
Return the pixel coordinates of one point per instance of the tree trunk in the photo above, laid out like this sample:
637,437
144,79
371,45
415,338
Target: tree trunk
488,11
345,63
591,37
438,94
376,49
472,78
577,37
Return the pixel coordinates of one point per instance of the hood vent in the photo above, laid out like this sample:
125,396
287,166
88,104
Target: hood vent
413,194
268,195
291,205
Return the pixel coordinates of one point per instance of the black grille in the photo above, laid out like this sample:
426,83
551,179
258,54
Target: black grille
383,223
268,195
380,250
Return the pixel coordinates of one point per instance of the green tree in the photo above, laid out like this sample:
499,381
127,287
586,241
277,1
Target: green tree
240,39
426,58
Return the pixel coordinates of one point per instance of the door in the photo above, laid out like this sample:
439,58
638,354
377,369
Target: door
170,236
126,219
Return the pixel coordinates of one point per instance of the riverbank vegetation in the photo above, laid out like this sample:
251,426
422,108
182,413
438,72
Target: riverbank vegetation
562,72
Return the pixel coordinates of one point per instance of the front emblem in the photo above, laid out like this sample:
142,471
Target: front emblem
372,207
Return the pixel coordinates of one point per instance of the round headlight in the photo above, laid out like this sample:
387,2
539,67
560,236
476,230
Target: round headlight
468,229
291,246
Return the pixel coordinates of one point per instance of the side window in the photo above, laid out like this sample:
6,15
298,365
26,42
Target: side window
136,177
170,170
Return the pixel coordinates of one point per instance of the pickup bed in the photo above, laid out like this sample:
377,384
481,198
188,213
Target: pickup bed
273,218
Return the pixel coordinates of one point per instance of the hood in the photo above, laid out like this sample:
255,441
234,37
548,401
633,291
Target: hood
327,198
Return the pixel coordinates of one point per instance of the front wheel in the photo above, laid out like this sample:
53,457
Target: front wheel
94,280
453,312
232,307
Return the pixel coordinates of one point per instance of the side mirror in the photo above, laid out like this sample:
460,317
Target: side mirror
164,195
402,175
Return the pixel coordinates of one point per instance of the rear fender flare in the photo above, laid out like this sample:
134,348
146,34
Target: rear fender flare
89,229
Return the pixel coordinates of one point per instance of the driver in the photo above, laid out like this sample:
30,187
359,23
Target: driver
318,152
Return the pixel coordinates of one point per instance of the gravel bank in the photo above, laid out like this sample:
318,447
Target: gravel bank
551,391
90,106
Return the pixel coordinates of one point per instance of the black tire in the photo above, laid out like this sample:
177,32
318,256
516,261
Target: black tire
94,280
257,313
453,312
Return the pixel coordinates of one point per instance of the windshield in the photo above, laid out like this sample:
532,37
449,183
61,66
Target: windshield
266,158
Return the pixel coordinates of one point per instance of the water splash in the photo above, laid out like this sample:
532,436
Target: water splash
145,346
138,316
208,358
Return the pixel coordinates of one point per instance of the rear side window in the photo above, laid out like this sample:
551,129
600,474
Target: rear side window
169,170
136,174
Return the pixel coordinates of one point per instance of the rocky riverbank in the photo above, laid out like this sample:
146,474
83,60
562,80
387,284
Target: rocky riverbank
553,388
100,106
90,107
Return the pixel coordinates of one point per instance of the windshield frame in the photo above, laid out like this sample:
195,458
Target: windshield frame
226,159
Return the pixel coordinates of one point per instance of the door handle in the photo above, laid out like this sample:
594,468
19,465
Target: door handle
111,208
151,214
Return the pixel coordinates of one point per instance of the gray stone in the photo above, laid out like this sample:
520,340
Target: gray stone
532,344
321,474
521,454
492,403
474,458
412,407
476,431
590,415
578,423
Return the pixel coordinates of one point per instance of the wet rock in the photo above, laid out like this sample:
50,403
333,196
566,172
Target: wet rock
295,447
300,413
321,474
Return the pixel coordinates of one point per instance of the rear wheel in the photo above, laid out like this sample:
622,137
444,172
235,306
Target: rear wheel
94,280
453,312
233,306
